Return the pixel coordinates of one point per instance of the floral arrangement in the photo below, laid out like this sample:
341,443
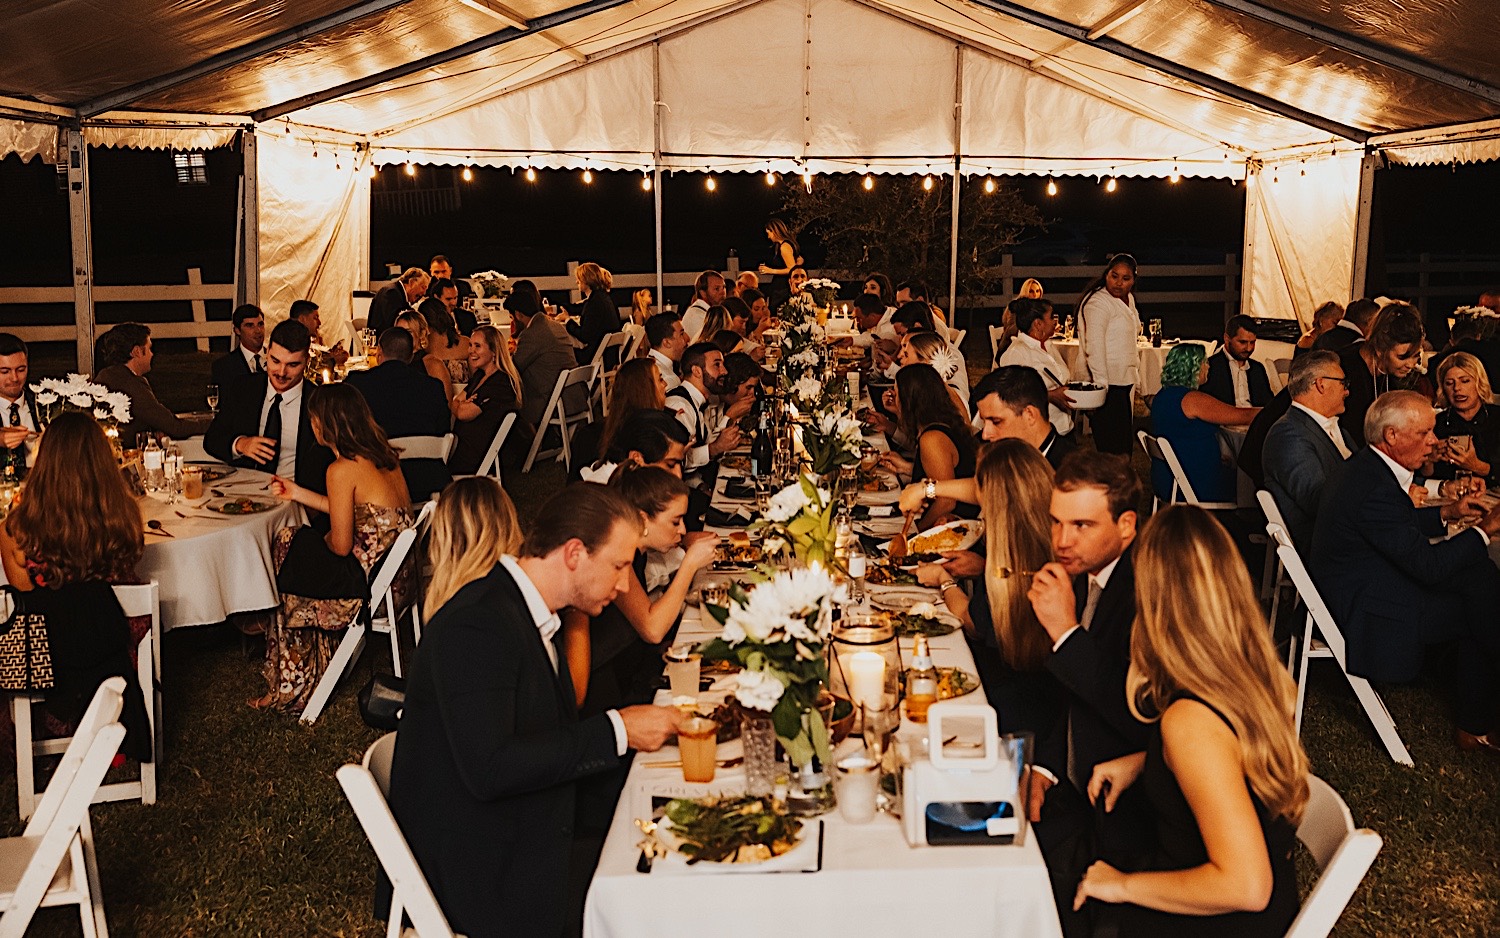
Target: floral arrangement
776,633
77,393
832,440
801,354
801,516
823,291
1475,312
491,282
797,309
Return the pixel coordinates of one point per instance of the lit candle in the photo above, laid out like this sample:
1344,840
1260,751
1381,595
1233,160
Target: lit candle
866,673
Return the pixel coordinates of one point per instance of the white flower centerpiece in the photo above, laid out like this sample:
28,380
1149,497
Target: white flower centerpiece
832,439
492,283
78,394
823,290
802,517
776,632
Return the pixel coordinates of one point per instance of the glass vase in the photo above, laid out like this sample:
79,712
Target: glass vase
758,734
811,791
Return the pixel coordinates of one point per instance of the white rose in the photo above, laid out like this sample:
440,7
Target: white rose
808,388
80,399
758,690
786,504
733,632
121,411
46,397
102,412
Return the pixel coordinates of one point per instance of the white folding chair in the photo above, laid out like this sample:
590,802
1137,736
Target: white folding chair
52,862
1276,579
1320,622
490,465
425,447
956,338
996,332
637,335
378,760
618,342
1343,854
556,414
136,600
1159,448
411,896
384,617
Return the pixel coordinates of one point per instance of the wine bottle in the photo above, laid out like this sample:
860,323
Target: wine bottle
921,682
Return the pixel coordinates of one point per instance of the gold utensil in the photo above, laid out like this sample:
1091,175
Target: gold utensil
898,543
155,527
677,764
1006,573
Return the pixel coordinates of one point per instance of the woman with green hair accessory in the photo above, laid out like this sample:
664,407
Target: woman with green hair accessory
1189,420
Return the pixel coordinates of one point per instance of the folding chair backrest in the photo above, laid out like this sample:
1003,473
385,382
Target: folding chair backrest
1343,853
408,883
1316,608
144,599
995,333
1160,448
615,340
378,761
634,335
77,792
1270,509
424,519
103,710
956,337
490,465
391,565
424,447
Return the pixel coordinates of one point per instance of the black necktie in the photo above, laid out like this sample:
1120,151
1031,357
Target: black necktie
15,415
273,430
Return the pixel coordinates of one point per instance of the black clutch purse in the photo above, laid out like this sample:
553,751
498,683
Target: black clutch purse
312,570
381,701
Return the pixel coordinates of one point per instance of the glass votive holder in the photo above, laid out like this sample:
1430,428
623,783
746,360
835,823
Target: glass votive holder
855,785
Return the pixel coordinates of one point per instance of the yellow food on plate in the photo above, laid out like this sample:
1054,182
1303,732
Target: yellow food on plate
937,541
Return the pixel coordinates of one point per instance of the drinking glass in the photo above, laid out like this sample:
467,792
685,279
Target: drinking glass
213,398
682,671
856,784
697,741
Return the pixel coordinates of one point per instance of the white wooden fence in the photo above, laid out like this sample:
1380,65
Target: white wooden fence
195,291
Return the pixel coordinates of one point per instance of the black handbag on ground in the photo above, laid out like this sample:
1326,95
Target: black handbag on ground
312,570
25,650
381,701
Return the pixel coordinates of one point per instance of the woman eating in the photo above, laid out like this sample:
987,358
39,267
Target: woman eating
614,656
1190,419
324,578
1108,325
480,408
1387,361
944,447
1223,772
1468,429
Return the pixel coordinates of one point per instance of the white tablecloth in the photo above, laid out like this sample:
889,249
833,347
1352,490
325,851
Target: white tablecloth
871,883
215,565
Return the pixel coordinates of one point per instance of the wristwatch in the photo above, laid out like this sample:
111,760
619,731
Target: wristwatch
930,489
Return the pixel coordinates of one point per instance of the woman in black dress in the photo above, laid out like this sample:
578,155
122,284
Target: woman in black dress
1224,771
1469,427
599,317
945,449
492,392
1387,361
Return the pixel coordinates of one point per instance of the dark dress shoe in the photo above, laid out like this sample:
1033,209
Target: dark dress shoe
1468,742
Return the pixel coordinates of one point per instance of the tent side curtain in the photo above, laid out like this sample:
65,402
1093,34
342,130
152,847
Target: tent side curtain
1299,236
314,232
29,140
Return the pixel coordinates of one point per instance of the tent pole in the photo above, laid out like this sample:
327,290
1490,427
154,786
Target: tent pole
250,213
958,161
81,235
1367,168
661,295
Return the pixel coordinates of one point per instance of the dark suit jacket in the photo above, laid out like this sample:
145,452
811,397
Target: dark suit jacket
17,456
146,412
1252,451
389,303
544,350
226,368
599,318
1337,339
406,402
239,415
1374,565
487,756
1221,385
1299,458
1056,448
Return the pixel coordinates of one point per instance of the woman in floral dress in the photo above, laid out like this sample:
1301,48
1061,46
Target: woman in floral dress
323,579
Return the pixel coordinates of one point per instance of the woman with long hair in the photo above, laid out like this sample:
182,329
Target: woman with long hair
607,653
638,386
1224,772
1386,361
478,410
1468,428
445,344
75,534
784,250
929,348
422,358
1190,419
1031,289
878,284
939,430
1107,328
473,525
324,578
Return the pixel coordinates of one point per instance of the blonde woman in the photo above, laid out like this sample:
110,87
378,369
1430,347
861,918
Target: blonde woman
599,317
473,526
422,358
1468,429
478,410
1224,773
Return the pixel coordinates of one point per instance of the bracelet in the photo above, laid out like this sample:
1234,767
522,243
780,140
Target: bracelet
931,489
945,587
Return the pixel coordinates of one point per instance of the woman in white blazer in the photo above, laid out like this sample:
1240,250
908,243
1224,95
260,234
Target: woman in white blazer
1109,326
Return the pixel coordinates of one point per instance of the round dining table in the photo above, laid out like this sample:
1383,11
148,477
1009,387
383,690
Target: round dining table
211,565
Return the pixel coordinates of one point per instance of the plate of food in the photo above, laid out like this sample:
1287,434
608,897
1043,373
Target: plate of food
880,573
923,619
212,471
744,831
239,506
955,535
1086,396
738,464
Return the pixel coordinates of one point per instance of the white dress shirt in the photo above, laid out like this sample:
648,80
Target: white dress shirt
291,419
1239,378
1029,353
1110,328
693,414
547,622
253,360
693,319
1404,477
882,330
1330,426
667,367
1100,579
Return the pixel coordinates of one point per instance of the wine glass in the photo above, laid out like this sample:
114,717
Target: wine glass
213,398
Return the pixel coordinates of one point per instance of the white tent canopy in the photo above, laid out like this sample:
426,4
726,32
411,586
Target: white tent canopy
319,90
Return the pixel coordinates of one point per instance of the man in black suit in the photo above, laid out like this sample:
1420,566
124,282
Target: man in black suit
1390,588
1352,329
396,298
490,747
440,268
407,402
1012,403
262,421
1307,446
20,420
1234,376
249,325
1089,621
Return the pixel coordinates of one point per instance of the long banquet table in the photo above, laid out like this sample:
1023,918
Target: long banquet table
868,882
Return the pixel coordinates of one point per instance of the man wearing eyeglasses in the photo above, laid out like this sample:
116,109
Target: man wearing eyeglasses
1304,447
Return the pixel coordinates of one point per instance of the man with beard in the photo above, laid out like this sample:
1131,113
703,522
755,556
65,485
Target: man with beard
1233,376
702,371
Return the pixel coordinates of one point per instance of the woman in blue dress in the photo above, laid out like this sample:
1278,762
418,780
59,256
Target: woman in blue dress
1190,420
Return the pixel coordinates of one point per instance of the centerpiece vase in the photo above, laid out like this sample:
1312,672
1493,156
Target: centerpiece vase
758,734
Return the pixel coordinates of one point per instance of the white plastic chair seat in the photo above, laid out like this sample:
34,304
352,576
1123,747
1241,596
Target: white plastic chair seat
16,854
1343,854
425,447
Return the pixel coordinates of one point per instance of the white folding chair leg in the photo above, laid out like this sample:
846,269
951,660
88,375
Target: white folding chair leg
26,797
1299,673
1385,727
349,648
94,920
143,667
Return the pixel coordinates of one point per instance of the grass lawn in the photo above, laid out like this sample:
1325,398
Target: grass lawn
252,836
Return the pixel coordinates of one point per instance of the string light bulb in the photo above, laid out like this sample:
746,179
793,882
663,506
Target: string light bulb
410,169
468,174
869,183
770,178
927,183
711,184
1175,178
807,178
588,176
1052,187
1111,185
989,185
646,181
530,174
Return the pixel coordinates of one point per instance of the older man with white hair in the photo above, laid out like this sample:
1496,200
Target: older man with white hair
1391,588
